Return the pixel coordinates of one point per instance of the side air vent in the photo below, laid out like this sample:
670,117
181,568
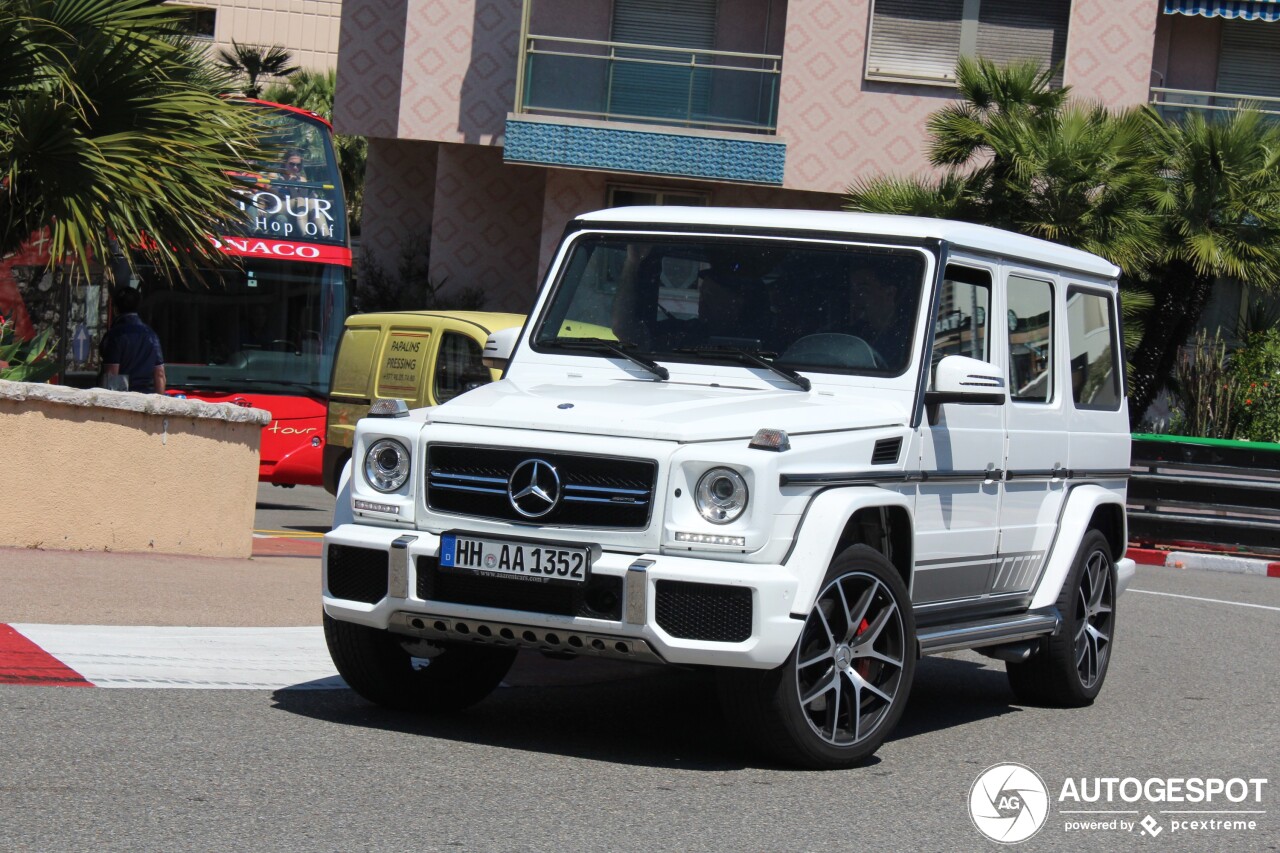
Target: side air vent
886,451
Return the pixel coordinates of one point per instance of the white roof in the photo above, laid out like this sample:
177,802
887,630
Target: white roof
980,238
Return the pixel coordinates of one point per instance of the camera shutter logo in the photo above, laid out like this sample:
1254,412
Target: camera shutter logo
1008,803
534,488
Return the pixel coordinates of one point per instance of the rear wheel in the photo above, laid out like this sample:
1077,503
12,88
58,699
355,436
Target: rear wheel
376,665
844,687
1069,667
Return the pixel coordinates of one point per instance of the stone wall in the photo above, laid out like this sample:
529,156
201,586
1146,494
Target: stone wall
117,471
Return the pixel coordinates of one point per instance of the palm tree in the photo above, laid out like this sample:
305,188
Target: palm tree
314,91
254,61
1219,203
111,130
1017,155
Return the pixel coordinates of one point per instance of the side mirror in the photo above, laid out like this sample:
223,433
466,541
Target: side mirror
960,379
498,348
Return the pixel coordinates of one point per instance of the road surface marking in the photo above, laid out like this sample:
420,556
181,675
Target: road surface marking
1209,600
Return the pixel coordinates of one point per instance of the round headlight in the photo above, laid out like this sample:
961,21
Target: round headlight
386,465
721,495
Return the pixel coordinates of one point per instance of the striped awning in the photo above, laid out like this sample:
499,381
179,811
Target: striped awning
1256,10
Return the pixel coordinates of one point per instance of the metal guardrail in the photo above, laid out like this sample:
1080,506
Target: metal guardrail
1173,103
1205,491
617,81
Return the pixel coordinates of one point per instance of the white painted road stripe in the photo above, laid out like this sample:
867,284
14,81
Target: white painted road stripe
1209,600
192,658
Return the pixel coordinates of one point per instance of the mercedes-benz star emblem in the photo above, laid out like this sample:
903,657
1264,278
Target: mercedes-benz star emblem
534,488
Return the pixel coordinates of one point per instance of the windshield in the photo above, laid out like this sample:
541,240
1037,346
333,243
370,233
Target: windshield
296,194
269,326
804,306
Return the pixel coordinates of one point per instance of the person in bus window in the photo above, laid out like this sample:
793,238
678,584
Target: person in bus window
130,348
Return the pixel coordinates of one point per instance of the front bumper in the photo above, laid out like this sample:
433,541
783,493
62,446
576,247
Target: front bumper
668,605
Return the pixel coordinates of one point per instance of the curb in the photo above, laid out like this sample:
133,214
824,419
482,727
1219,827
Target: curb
1205,562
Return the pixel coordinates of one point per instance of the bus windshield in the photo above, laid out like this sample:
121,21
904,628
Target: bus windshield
265,326
296,194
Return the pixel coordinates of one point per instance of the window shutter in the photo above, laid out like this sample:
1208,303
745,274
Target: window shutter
1249,63
1011,30
661,91
914,40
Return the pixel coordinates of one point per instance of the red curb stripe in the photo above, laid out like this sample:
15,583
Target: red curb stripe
1273,570
1146,556
280,546
23,662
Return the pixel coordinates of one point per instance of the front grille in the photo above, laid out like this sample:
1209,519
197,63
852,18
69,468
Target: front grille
600,597
357,574
595,491
704,611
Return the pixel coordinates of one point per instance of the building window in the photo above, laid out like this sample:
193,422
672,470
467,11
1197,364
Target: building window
632,196
200,23
919,41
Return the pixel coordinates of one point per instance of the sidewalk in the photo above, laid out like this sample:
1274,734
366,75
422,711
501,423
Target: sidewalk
110,588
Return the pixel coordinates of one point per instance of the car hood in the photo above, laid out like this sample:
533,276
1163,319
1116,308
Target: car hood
668,411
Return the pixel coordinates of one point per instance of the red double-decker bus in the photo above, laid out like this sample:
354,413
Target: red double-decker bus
261,329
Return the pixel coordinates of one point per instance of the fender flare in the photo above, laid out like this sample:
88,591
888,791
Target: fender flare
1082,502
342,512
821,525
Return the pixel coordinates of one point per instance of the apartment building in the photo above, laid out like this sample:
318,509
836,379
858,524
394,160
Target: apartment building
308,29
493,122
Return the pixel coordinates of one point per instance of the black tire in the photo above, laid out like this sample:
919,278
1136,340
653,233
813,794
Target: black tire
858,641
1068,668
375,665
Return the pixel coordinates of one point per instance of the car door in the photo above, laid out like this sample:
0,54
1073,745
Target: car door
962,450
1036,421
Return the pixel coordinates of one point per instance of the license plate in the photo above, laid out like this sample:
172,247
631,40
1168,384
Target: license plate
546,563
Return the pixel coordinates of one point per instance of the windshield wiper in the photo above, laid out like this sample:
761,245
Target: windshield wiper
617,348
754,359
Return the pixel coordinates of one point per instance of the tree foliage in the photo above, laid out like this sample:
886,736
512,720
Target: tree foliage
1175,205
252,62
111,128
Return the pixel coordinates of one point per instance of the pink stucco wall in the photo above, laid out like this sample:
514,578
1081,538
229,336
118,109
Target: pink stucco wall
370,66
484,230
839,127
399,196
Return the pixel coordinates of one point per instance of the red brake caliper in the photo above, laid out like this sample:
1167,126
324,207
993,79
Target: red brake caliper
863,665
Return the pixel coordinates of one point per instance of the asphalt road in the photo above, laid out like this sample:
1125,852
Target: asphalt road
300,510
592,755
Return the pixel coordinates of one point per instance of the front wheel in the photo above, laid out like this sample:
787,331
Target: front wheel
376,665
1068,668
845,685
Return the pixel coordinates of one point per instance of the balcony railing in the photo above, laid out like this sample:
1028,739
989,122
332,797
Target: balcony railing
1173,104
616,81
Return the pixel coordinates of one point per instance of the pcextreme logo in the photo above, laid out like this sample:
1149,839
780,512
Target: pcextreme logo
1009,803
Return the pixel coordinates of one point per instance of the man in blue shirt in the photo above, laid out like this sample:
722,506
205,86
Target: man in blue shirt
130,348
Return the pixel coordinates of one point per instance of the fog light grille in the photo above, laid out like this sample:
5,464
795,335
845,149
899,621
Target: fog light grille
357,574
703,611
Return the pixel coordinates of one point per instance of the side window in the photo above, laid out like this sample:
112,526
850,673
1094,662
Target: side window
961,325
1030,339
1095,365
458,367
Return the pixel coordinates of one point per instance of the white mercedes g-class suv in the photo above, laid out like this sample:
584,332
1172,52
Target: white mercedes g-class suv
803,448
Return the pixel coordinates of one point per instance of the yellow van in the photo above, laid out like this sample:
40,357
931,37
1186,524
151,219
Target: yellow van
422,357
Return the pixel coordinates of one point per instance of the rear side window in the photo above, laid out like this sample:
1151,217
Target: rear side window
1030,339
458,367
1095,363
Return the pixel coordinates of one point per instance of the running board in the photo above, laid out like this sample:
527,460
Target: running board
989,632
